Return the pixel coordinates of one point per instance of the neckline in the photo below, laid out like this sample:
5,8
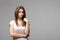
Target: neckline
18,25
21,26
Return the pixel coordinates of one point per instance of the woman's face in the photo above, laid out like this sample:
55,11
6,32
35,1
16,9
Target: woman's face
20,14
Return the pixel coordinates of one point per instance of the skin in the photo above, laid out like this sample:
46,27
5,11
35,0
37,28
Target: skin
20,22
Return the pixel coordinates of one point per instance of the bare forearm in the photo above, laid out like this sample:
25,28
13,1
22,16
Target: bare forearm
16,35
27,28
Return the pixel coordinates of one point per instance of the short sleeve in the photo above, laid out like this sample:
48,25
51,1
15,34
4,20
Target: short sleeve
11,22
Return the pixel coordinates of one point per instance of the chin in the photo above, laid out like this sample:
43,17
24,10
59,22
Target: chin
20,16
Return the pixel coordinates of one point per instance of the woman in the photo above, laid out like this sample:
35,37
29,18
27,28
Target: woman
19,27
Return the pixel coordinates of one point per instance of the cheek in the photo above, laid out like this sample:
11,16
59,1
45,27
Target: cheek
19,13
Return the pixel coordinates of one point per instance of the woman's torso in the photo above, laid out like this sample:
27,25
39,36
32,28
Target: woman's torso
19,29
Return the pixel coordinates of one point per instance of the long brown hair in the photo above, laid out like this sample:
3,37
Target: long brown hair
17,11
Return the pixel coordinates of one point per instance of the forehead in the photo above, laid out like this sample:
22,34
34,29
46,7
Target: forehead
20,9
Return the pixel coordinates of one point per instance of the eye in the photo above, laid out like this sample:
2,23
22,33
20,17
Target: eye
21,12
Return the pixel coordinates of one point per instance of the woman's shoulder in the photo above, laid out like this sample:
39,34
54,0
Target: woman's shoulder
12,22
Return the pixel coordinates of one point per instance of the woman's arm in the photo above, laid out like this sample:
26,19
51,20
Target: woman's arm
27,30
15,35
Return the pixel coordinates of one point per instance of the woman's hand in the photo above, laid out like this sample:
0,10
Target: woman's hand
25,19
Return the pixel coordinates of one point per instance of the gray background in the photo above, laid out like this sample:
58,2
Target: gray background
44,17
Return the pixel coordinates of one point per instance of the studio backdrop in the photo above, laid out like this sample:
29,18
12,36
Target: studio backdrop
43,15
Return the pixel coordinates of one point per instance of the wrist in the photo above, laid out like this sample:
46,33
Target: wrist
25,35
27,21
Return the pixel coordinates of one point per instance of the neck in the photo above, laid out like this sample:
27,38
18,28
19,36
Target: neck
19,19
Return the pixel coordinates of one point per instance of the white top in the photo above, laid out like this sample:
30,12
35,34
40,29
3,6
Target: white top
18,29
